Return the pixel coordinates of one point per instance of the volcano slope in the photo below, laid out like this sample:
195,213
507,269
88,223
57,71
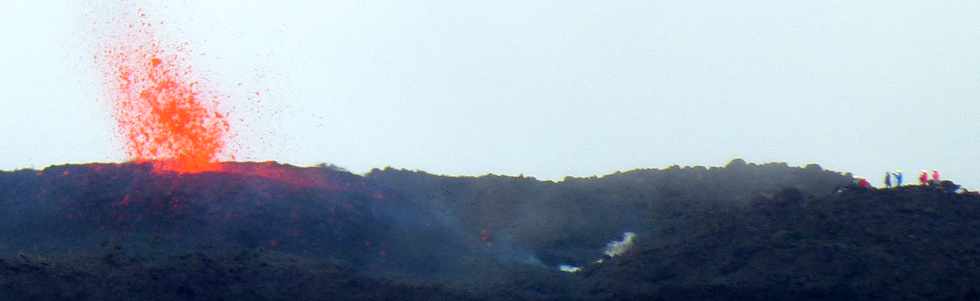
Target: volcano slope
265,231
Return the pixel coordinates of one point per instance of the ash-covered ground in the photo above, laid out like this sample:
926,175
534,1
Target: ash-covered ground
265,231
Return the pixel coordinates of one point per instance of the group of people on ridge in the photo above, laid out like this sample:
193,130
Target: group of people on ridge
925,178
930,179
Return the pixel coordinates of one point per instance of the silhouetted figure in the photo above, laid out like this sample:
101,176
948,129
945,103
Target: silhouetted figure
888,179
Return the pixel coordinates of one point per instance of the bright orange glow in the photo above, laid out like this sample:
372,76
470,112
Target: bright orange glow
162,113
290,175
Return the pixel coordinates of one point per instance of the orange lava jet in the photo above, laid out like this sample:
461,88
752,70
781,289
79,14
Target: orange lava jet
162,113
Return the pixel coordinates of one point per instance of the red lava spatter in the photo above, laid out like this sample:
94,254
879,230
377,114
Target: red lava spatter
163,113
166,116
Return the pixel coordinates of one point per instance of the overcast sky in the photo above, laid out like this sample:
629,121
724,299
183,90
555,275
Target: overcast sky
543,88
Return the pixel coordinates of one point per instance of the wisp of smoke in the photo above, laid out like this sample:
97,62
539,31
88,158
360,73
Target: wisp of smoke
569,269
616,248
613,249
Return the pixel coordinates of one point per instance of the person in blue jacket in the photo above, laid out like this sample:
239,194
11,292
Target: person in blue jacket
898,178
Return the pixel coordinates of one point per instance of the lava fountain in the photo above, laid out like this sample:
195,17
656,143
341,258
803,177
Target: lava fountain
163,113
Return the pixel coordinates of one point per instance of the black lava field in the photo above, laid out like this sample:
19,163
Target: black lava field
267,231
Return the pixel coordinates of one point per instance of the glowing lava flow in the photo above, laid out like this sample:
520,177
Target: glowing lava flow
160,109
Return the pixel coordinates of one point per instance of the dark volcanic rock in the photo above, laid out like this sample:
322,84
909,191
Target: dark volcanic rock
906,243
199,276
264,231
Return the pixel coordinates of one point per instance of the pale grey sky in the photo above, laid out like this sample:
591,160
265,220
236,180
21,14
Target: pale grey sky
544,88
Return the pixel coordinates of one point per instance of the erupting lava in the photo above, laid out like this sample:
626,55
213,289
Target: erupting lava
163,113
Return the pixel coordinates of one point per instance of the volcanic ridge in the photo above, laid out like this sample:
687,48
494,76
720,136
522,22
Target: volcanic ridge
269,231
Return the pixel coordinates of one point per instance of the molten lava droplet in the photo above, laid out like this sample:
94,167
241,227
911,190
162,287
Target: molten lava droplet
162,114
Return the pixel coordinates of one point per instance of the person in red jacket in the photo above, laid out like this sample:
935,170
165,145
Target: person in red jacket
935,176
863,183
923,178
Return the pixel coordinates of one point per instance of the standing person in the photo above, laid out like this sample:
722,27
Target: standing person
888,179
898,178
935,176
923,178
